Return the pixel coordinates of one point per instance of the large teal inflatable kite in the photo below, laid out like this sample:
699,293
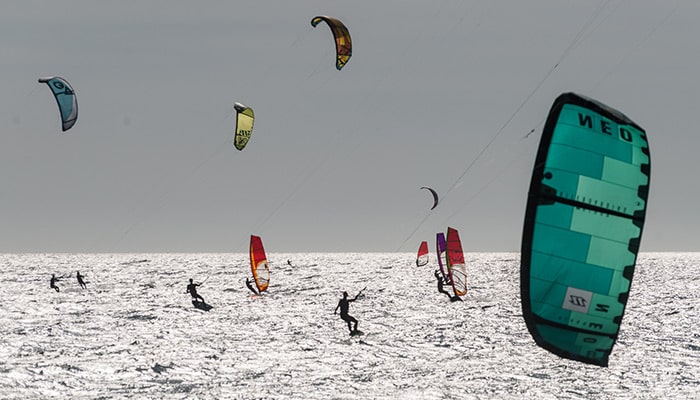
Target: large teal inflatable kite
583,225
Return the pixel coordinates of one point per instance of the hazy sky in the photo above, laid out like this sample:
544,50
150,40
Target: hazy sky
337,158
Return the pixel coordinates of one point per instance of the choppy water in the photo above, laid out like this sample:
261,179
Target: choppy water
134,333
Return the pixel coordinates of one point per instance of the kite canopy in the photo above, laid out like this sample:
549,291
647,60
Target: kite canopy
244,125
583,225
65,97
435,196
343,44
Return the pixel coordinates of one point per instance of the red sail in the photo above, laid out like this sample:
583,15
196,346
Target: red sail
422,258
455,262
258,263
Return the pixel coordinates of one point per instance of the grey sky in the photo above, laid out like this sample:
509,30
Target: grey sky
337,158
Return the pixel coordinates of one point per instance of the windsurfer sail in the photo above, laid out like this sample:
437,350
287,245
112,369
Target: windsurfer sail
583,225
258,264
422,257
441,250
455,263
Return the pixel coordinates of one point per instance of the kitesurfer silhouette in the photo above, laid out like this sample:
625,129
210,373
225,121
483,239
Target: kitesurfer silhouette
344,305
250,286
440,284
80,280
53,282
192,290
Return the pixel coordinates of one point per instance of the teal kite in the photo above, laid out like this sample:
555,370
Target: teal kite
65,97
583,226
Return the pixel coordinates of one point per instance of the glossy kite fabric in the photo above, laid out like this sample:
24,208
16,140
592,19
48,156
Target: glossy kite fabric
258,263
422,257
583,225
245,117
455,262
435,196
441,250
343,44
66,99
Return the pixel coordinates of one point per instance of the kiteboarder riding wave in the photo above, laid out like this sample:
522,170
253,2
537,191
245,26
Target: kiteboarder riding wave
344,305
192,290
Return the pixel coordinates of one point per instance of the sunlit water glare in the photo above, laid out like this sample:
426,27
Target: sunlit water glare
135,334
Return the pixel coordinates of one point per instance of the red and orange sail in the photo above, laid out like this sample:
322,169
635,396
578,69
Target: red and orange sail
258,263
455,262
422,257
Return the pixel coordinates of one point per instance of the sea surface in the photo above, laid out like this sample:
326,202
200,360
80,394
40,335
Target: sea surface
134,333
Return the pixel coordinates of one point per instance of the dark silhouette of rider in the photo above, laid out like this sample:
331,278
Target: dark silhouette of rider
440,284
53,282
250,286
80,280
344,305
192,290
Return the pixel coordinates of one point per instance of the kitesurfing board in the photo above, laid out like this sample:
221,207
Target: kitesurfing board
202,305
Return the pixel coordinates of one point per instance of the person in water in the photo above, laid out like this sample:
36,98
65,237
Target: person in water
53,282
192,290
81,282
250,286
441,284
344,305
